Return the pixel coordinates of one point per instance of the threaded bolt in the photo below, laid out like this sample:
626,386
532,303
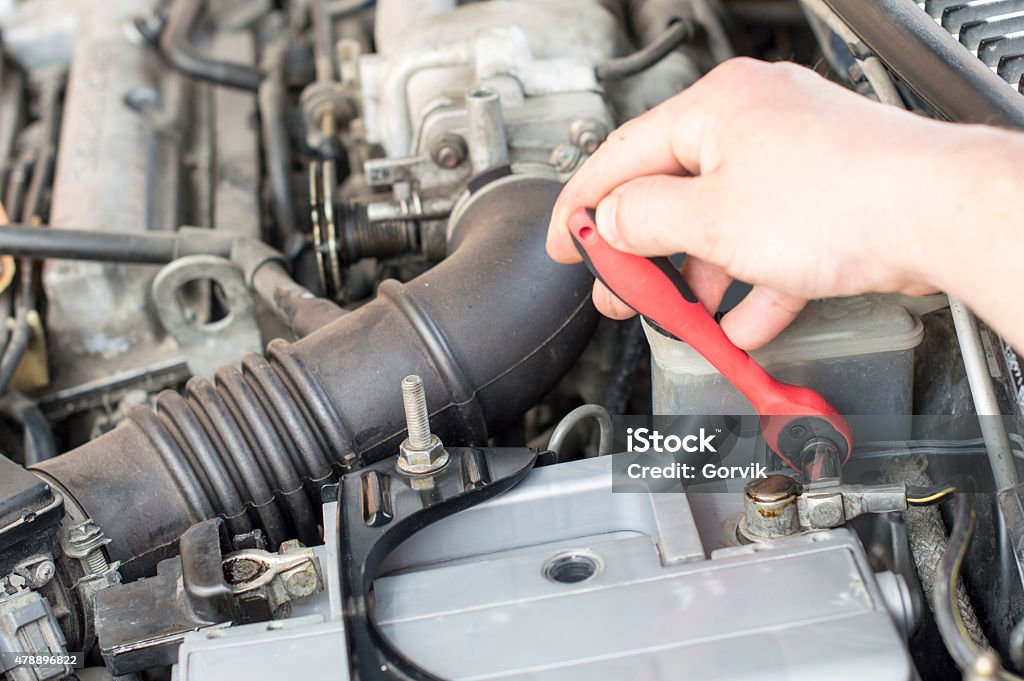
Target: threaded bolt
96,563
417,419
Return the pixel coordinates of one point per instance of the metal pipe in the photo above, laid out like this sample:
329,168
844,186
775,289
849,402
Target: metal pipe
323,40
993,430
577,416
488,143
263,267
80,244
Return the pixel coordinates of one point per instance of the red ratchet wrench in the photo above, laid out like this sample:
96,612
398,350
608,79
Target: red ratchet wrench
791,416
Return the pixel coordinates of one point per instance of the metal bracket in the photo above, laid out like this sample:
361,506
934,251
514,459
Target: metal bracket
207,346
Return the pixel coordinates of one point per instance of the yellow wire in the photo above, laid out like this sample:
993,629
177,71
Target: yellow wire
942,493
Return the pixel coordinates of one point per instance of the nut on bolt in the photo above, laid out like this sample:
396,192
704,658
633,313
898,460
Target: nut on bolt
587,134
301,581
422,452
448,150
824,511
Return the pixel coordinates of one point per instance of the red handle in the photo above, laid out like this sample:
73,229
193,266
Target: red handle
656,290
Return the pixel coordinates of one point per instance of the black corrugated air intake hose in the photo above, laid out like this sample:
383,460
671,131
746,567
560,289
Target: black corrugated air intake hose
490,330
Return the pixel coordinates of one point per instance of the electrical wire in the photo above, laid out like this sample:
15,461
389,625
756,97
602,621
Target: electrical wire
967,655
947,610
927,496
31,209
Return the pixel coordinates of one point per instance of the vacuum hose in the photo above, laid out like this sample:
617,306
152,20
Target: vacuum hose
490,330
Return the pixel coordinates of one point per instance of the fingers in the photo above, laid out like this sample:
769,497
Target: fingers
760,316
708,282
662,141
662,215
608,305
677,137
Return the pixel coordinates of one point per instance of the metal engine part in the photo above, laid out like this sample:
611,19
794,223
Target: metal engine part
132,124
122,121
523,585
275,282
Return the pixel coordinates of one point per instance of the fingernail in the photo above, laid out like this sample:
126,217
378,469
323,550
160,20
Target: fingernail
606,219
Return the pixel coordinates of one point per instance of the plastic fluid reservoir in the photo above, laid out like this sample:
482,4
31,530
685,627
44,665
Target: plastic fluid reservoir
858,352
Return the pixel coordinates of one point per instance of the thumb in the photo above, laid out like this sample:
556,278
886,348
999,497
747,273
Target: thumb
661,215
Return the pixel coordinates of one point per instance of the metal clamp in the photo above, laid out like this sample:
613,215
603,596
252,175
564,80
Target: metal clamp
779,506
270,581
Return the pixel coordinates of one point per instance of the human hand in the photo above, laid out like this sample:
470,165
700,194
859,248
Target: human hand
770,174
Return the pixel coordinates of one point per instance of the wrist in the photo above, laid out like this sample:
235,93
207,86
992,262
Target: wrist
954,221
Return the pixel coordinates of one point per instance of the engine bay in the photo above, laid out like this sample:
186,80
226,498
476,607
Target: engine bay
289,387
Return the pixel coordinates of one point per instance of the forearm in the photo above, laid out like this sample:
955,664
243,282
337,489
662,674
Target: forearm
975,245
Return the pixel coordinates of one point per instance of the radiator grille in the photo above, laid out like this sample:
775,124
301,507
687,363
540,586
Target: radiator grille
992,30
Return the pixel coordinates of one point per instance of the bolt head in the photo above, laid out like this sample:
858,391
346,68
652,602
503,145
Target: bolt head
448,150
797,432
589,142
565,157
301,581
422,461
772,488
587,134
825,511
44,572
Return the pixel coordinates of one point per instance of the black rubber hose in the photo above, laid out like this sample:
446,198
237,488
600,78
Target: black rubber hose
38,437
490,330
931,62
620,385
263,267
103,246
273,103
75,244
21,336
176,46
641,60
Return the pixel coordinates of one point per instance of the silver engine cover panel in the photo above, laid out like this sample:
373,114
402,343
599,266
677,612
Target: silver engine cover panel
468,598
